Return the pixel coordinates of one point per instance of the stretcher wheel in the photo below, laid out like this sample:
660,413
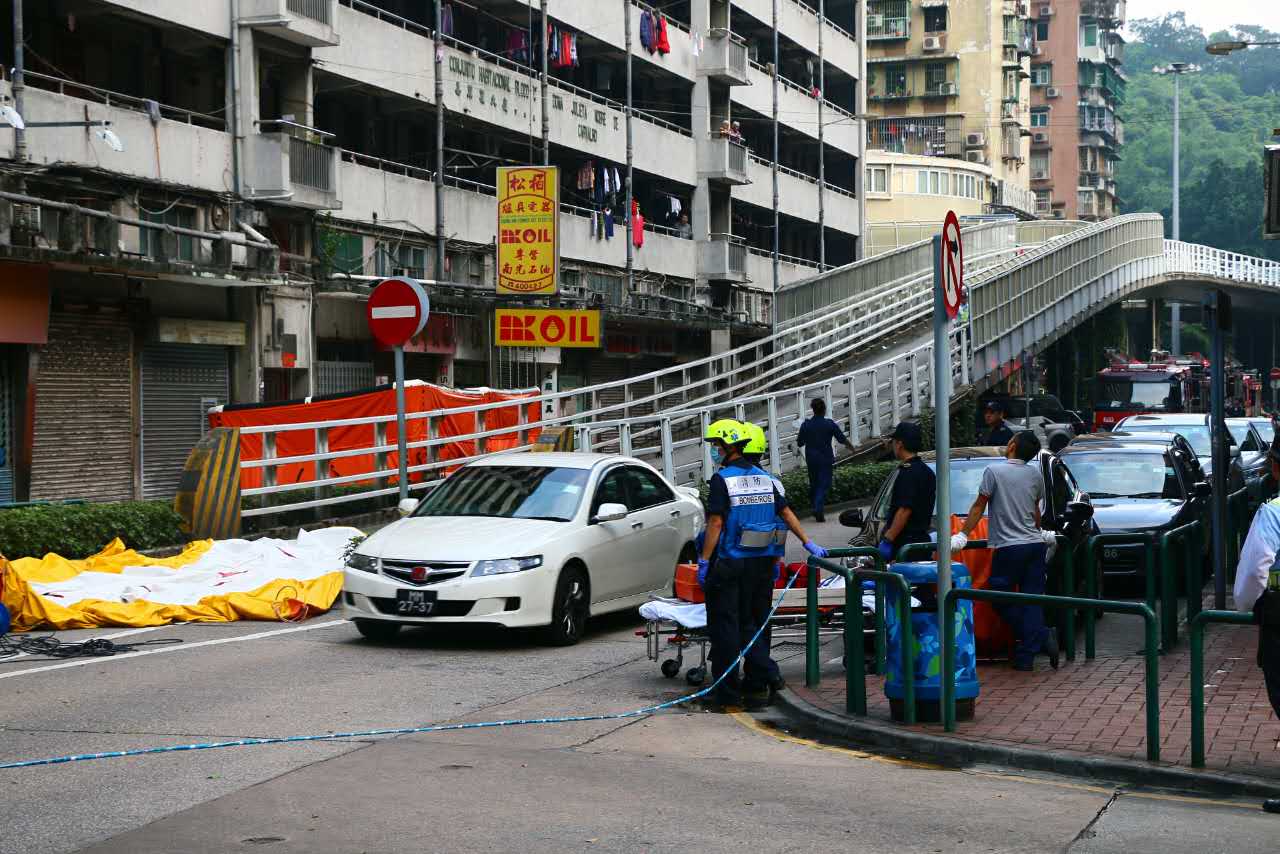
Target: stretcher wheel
671,668
696,675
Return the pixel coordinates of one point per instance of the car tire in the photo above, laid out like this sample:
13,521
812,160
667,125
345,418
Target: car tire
570,607
377,630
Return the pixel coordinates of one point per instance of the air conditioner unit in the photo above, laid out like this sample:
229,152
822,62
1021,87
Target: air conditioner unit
932,43
875,21
947,89
975,140
1046,11
1039,136
1039,175
975,156
1052,92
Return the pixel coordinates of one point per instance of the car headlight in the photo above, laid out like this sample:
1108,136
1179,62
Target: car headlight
505,566
364,563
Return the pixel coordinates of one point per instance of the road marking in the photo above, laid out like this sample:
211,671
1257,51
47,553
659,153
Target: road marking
751,723
178,647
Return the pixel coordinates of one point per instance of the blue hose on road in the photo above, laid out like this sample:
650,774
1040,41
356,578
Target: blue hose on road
368,733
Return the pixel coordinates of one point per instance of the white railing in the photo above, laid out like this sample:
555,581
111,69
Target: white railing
1195,259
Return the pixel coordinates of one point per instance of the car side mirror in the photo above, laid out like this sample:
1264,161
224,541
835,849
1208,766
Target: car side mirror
853,518
407,506
1203,489
1079,512
610,513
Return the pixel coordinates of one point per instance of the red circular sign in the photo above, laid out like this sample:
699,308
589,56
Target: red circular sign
1275,373
952,265
397,311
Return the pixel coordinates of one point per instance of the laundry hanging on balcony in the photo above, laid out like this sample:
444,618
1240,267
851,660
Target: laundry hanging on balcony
562,47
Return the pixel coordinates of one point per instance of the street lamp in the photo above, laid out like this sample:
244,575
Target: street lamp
1177,69
1226,48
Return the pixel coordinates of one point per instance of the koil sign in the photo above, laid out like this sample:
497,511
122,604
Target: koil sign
520,327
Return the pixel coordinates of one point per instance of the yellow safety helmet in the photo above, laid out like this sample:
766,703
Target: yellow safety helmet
757,442
728,431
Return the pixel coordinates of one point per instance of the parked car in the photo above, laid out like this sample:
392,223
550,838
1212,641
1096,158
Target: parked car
1047,416
525,540
1137,487
1254,465
1177,441
1195,428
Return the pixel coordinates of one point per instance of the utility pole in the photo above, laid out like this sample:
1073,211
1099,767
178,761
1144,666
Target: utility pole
19,80
628,219
439,75
546,117
1177,69
776,154
822,151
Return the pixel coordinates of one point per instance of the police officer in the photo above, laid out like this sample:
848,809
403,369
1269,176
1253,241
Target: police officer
1257,589
911,503
998,433
744,539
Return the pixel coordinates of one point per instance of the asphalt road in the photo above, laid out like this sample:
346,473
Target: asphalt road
679,780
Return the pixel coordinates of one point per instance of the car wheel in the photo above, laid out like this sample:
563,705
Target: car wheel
569,608
377,630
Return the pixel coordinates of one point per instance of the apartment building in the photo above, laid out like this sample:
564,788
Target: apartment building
204,192
1077,88
948,79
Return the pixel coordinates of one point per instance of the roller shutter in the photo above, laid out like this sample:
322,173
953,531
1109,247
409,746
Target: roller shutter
83,440
339,377
180,382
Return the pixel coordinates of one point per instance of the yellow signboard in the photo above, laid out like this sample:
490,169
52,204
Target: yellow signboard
551,327
528,229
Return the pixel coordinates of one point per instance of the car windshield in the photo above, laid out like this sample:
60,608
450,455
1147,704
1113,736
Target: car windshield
1239,432
1124,475
1125,392
1196,434
509,492
966,477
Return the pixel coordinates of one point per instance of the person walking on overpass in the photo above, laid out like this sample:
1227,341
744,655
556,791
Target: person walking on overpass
1013,490
1257,589
911,502
744,539
998,433
816,435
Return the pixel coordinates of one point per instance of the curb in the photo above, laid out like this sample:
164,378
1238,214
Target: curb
877,735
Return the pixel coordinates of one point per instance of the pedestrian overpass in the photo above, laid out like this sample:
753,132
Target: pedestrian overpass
855,335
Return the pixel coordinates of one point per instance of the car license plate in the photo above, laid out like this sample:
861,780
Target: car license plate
415,603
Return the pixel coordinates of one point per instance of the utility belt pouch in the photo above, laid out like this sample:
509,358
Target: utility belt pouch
756,537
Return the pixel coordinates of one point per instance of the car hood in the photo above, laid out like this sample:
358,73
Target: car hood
1115,515
453,538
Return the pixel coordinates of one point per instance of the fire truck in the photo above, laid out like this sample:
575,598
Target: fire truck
1164,383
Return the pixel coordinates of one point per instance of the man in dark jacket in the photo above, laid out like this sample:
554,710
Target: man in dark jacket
816,435
998,433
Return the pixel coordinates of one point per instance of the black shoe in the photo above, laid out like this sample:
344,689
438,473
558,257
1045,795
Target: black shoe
818,517
777,684
1050,648
757,701
721,704
1271,805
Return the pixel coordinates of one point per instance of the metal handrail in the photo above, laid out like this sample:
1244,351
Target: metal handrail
1185,540
1195,631
1150,653
294,126
133,102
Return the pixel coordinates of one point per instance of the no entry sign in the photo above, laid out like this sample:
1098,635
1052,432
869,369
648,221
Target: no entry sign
398,310
952,273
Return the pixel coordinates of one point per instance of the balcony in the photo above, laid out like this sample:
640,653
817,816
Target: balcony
723,161
888,19
309,23
294,160
929,136
724,59
723,258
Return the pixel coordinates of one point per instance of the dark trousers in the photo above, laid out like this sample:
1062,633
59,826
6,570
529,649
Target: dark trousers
1267,611
819,484
739,594
1022,568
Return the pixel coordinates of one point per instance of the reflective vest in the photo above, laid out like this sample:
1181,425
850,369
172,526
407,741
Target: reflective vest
751,528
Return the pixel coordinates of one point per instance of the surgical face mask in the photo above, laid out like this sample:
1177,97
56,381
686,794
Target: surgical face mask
717,456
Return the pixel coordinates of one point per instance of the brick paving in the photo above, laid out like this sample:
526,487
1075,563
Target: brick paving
1099,708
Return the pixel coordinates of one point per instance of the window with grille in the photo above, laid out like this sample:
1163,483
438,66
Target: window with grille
1041,75
182,217
1039,118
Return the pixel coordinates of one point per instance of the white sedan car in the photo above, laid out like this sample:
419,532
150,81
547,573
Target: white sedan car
518,540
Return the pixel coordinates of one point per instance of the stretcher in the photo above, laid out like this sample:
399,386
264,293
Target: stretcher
675,625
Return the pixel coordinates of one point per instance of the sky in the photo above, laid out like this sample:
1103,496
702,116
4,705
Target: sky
1211,15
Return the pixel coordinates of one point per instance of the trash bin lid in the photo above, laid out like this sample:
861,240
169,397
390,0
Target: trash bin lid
926,571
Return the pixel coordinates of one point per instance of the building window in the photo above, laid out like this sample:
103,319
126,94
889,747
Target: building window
935,77
1041,75
935,19
1042,31
401,259
934,182
895,80
1040,118
1090,35
1040,164
877,179
345,251
922,181
1044,201
176,216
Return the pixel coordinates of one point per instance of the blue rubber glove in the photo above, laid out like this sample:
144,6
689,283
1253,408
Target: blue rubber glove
886,550
777,571
703,566
814,549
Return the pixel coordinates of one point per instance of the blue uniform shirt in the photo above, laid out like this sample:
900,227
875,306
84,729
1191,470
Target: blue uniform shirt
740,510
815,437
1258,557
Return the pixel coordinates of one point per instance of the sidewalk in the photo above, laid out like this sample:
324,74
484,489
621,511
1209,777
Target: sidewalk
1088,713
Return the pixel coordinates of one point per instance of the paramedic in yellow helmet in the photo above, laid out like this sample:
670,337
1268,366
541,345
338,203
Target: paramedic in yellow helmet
743,541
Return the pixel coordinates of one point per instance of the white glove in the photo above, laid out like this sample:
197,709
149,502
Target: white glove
1051,542
958,542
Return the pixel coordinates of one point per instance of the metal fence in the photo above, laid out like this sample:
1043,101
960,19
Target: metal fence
311,164
316,10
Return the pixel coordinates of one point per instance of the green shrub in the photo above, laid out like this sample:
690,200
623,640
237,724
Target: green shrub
80,530
849,483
